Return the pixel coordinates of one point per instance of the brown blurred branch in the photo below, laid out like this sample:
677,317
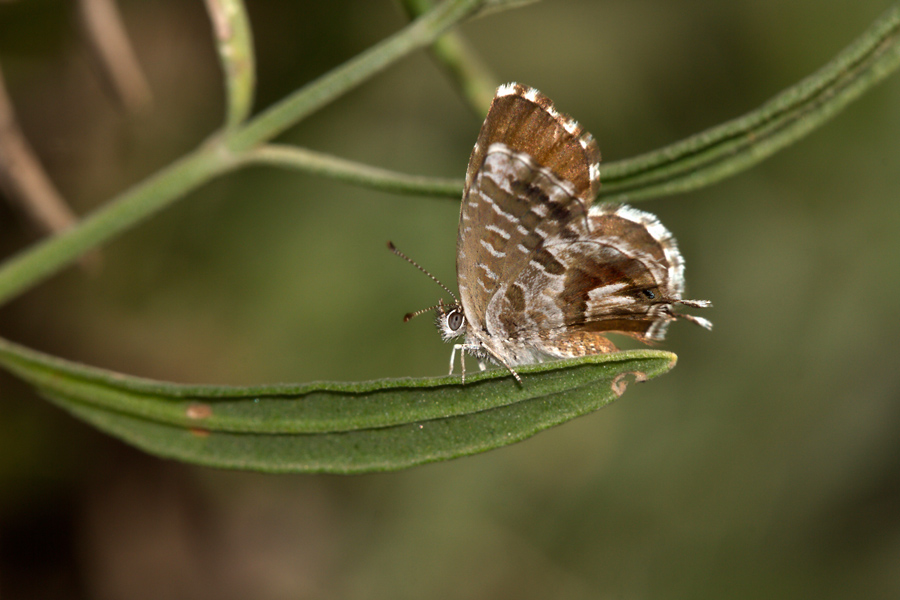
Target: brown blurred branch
109,40
23,178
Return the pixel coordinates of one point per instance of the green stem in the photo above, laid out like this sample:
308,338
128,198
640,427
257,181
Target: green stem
43,259
689,164
322,91
466,70
317,163
48,256
234,42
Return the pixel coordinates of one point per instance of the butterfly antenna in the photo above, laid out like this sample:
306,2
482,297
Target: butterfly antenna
409,316
393,249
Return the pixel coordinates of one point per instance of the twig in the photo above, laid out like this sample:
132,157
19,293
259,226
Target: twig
109,40
23,178
466,69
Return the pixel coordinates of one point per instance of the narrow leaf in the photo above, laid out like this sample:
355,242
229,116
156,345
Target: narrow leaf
731,147
333,427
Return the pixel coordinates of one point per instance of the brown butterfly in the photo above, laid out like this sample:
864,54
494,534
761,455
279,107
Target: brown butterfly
542,273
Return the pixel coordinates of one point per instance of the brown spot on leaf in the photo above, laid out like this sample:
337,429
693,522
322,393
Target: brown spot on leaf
198,410
620,382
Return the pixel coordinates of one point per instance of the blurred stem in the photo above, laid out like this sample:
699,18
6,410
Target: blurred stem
22,176
336,82
109,39
318,163
45,258
727,149
217,156
234,42
466,69
694,162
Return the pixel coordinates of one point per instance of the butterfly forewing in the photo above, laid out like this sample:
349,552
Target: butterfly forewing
526,121
530,178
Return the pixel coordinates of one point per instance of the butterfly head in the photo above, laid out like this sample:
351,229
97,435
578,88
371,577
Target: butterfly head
450,320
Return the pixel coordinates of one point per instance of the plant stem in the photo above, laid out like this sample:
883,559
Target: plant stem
219,155
336,82
234,43
318,163
41,260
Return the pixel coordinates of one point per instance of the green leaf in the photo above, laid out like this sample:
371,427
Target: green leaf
736,145
333,427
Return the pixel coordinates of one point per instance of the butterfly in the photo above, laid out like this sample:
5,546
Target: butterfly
543,273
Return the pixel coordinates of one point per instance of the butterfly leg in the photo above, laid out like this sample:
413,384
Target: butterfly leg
511,370
477,350
503,362
462,359
462,348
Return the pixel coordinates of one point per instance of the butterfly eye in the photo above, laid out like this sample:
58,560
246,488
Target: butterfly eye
649,294
455,320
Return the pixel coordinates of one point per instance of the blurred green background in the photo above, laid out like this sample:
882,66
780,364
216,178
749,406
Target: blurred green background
767,464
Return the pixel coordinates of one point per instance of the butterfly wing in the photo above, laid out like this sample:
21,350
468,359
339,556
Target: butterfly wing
624,277
532,176
541,272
